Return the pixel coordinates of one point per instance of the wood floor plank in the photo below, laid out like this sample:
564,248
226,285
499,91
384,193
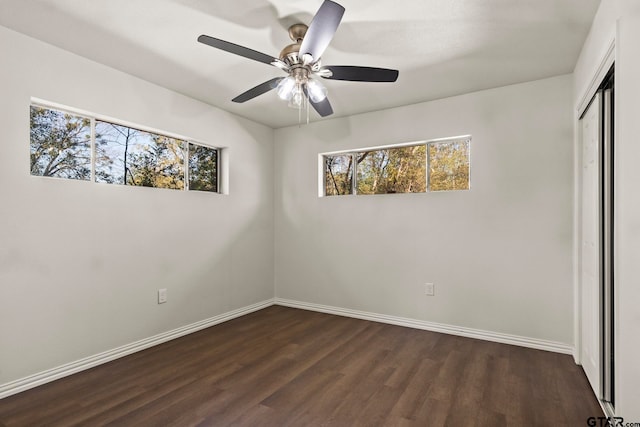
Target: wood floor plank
434,412
415,392
287,367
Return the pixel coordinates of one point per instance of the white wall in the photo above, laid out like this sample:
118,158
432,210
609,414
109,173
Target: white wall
80,263
620,19
500,254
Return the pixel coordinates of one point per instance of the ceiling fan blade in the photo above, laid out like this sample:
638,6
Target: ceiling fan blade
258,90
361,74
321,30
323,107
237,49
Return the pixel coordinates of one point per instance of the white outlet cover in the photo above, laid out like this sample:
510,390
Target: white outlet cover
162,296
429,289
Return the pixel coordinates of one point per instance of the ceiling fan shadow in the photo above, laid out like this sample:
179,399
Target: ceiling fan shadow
248,13
254,14
394,38
400,38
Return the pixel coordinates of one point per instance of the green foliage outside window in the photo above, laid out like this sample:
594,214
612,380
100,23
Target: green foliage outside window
449,165
392,170
400,169
338,175
203,168
130,156
62,144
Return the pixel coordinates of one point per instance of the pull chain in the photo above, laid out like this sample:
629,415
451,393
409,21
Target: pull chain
307,107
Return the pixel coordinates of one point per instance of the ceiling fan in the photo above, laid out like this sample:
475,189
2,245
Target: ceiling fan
301,61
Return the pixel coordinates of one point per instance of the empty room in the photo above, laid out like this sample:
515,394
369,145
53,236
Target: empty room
413,213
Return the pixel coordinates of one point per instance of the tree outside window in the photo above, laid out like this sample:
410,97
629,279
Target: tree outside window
60,144
443,164
392,170
338,174
67,145
203,168
449,165
130,156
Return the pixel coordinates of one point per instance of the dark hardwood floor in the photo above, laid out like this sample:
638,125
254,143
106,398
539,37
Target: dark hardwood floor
287,367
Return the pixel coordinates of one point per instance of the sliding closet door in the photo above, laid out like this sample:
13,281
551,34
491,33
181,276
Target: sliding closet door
590,255
607,244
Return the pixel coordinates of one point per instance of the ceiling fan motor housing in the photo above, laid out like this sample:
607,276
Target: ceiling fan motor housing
297,32
291,53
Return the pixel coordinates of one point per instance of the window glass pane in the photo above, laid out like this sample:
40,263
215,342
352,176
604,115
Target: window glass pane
60,144
338,174
203,168
449,165
133,157
392,170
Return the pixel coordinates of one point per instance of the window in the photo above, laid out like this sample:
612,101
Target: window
133,157
60,144
73,146
338,174
441,165
203,168
392,170
449,165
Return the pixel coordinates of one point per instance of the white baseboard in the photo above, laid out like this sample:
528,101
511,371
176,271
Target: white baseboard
49,375
535,343
53,374
576,356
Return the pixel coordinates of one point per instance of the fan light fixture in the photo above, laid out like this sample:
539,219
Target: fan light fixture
317,91
300,88
295,90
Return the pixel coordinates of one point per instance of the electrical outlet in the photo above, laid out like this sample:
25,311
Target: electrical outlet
162,296
429,289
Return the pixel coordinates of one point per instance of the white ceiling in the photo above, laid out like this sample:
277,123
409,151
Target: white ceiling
441,47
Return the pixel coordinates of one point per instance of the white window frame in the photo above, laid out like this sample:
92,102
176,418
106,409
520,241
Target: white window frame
353,152
221,187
